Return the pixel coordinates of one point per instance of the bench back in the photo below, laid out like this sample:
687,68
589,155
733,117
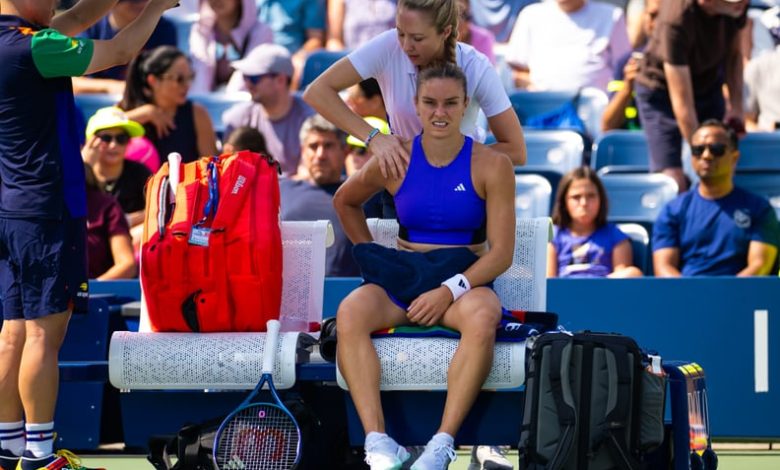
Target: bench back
524,285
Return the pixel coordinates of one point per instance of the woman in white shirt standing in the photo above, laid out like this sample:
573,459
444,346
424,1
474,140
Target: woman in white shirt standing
425,34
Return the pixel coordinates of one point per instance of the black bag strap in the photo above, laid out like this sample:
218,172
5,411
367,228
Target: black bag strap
189,447
615,434
159,450
560,360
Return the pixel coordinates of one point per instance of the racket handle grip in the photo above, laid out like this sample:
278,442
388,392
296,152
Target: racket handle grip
269,350
174,171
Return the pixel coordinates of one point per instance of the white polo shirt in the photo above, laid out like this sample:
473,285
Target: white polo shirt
383,59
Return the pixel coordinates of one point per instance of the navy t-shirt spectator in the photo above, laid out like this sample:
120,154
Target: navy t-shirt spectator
164,35
713,236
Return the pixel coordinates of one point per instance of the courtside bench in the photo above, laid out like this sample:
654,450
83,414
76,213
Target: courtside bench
168,379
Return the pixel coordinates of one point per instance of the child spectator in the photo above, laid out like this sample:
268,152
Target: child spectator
226,31
109,247
585,244
245,138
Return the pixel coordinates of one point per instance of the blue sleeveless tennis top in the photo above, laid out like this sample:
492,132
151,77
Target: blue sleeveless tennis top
440,205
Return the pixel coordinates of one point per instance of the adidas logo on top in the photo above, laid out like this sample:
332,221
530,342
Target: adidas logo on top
460,187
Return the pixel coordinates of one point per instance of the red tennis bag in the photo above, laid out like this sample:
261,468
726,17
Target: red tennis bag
211,260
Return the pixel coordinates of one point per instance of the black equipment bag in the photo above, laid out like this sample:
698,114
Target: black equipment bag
592,402
193,445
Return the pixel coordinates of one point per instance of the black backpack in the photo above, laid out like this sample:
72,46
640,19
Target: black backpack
592,402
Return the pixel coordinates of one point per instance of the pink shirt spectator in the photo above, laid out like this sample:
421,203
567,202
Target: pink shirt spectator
141,150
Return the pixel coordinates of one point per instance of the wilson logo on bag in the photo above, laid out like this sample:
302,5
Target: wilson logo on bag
211,258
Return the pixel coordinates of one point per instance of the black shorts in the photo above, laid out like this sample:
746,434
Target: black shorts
664,139
43,267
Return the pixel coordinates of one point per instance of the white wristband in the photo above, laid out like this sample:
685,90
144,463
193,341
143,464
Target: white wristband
458,285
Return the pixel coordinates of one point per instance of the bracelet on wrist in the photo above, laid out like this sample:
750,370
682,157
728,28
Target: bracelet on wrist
371,135
458,285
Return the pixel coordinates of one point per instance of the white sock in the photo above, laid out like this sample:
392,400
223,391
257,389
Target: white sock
373,436
40,438
12,437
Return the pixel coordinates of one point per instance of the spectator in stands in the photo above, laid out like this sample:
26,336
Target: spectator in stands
298,25
109,246
694,47
351,23
478,221
621,112
358,154
585,244
478,37
156,96
425,35
108,133
245,138
717,228
122,14
226,31
43,266
275,111
308,195
365,99
567,45
762,80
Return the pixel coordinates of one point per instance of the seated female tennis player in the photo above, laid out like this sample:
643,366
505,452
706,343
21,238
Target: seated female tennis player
456,201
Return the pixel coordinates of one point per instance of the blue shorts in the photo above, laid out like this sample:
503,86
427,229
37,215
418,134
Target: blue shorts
43,267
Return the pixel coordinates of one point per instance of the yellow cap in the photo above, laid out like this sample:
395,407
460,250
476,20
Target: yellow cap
110,118
376,122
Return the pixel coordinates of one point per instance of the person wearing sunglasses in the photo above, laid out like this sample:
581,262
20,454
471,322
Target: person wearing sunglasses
692,56
716,228
275,110
158,82
108,133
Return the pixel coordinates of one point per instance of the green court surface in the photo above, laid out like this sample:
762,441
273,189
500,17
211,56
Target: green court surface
728,460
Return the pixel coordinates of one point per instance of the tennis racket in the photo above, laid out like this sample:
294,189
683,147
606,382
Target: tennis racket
259,436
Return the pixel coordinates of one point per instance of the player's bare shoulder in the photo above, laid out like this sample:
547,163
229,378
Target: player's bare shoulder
489,160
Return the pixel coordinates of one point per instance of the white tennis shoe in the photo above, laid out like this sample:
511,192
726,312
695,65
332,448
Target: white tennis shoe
383,453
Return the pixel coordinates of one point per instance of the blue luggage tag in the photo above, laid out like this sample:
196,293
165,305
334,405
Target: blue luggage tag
200,236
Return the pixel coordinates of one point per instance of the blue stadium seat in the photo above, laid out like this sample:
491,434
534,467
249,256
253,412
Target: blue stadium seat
590,108
532,196
765,183
640,246
217,103
551,154
91,102
638,197
316,63
759,151
621,151
559,151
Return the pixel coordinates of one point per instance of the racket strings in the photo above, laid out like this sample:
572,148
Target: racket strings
259,437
